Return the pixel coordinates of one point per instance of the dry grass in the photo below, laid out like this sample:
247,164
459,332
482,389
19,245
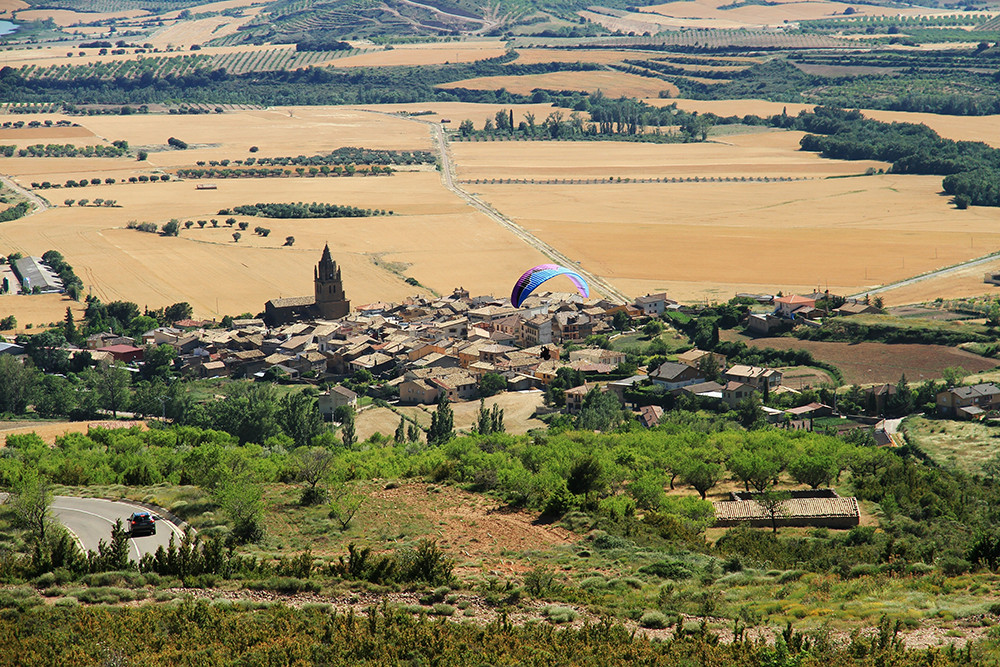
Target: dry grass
967,446
710,240
772,154
425,54
612,84
48,135
65,17
8,7
186,33
706,13
442,242
519,409
276,131
695,240
49,431
37,310
436,238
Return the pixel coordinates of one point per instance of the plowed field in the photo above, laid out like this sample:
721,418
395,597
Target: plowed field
868,363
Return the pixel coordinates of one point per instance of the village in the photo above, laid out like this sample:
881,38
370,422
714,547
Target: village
462,347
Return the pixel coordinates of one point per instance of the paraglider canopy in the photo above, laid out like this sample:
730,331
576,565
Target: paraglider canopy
535,276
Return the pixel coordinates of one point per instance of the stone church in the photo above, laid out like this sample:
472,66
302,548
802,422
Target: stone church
327,303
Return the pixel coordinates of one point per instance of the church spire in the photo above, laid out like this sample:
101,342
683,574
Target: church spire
326,254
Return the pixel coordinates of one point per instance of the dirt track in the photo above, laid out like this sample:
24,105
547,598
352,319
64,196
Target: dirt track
449,181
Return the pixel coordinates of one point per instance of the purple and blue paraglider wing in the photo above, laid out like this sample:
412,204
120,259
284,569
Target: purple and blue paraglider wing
535,276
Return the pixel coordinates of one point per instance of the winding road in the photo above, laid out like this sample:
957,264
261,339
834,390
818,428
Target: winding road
90,520
39,203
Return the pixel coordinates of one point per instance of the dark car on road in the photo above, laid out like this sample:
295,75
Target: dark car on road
141,523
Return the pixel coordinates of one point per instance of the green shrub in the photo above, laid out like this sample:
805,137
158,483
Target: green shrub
119,579
953,566
442,609
654,620
284,585
556,614
791,575
108,595
666,569
20,599
604,541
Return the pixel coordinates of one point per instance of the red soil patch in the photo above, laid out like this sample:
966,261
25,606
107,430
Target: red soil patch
477,529
868,363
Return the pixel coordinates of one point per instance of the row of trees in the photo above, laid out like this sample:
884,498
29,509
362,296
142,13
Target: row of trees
342,156
274,172
83,182
303,210
117,149
622,117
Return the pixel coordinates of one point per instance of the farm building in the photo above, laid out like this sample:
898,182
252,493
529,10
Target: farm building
820,508
35,275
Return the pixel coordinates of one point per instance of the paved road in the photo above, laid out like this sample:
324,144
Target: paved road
992,257
90,520
40,203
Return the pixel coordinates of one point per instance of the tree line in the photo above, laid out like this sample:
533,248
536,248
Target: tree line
621,118
117,149
971,168
303,210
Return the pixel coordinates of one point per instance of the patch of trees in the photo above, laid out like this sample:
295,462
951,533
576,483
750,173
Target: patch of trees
972,168
313,42
18,210
277,172
349,155
303,210
857,331
617,119
174,142
71,282
117,149
150,227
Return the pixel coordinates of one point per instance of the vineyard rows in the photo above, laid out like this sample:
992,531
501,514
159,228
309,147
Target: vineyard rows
304,16
720,39
275,59
234,63
110,6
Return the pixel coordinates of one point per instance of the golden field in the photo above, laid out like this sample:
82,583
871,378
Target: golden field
612,84
959,128
764,154
433,236
698,240
708,13
710,240
425,54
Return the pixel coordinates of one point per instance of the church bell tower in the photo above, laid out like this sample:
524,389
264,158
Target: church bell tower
331,302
